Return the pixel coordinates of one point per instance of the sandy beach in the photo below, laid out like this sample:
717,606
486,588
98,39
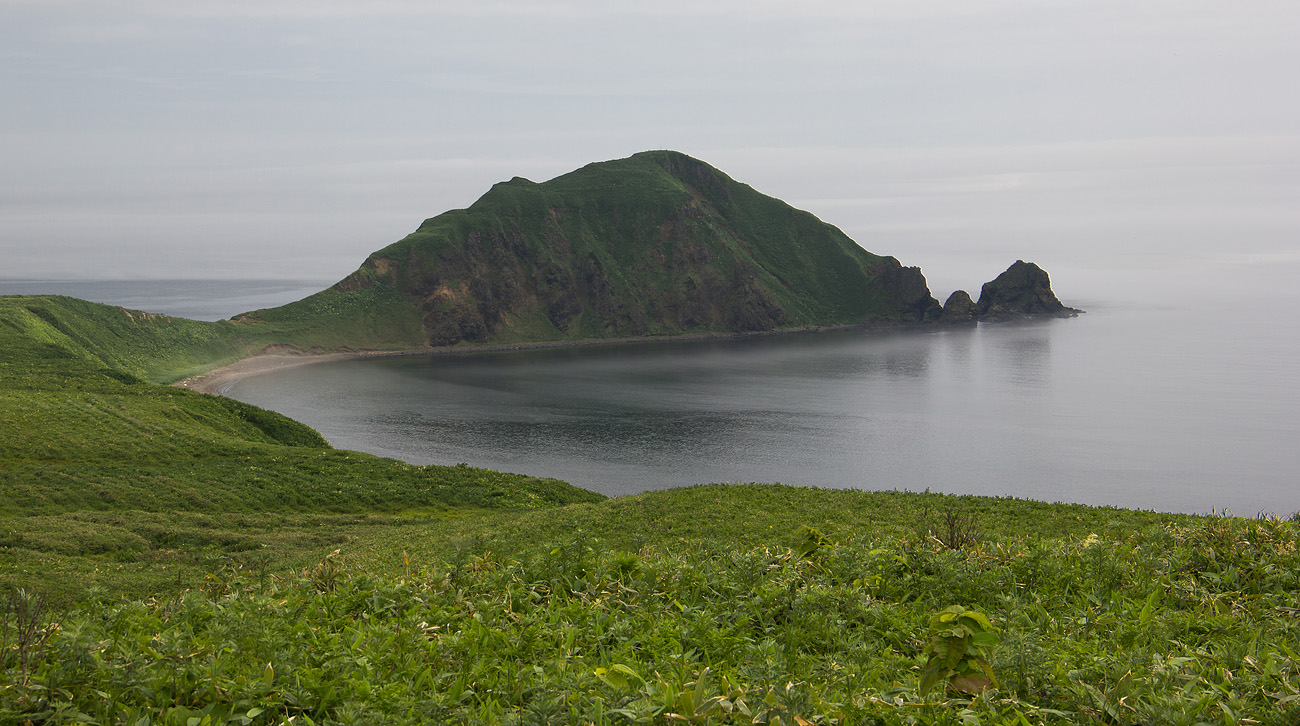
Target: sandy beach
218,380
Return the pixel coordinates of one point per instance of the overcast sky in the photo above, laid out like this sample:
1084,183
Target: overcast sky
255,138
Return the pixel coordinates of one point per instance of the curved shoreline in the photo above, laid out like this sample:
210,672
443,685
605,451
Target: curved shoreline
218,380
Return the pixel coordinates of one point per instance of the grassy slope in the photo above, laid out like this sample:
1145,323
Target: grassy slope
52,340
373,318
655,244
94,462
709,605
813,269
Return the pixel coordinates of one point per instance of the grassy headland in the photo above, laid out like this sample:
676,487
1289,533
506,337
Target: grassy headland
655,244
97,464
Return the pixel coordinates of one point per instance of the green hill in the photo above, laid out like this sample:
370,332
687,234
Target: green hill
55,337
96,460
655,244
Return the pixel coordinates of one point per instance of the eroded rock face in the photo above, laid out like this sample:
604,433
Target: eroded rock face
1024,289
907,288
958,308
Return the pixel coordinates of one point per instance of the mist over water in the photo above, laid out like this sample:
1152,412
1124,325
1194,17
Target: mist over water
1185,406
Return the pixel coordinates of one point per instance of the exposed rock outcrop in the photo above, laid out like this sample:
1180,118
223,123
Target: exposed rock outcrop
958,308
910,294
1024,289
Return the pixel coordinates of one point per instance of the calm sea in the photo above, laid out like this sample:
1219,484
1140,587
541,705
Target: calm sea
1191,405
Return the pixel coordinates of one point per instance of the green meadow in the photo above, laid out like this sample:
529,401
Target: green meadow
169,557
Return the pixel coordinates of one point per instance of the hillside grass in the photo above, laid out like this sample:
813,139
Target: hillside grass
705,605
169,557
56,342
657,244
377,317
95,461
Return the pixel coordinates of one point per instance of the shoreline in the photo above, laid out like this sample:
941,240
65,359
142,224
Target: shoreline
218,380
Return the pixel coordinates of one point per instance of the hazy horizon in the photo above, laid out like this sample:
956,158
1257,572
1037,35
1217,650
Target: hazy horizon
1112,144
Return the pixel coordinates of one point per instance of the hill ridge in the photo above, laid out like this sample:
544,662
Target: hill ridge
659,243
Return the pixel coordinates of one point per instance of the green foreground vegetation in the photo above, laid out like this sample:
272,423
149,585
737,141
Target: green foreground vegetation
97,463
169,557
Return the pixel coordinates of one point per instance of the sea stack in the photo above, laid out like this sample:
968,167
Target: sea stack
1024,289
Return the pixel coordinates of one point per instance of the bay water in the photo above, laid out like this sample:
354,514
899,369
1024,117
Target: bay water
1179,402
1137,407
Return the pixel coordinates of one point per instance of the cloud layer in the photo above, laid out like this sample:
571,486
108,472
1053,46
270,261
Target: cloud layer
289,139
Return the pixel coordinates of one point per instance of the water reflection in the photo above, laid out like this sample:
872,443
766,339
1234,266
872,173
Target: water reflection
957,344
1022,352
1093,410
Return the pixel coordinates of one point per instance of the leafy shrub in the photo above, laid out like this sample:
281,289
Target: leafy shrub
958,650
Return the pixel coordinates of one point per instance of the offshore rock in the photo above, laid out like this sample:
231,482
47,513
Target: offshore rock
1023,290
959,308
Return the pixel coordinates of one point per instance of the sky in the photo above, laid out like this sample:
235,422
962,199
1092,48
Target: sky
1114,143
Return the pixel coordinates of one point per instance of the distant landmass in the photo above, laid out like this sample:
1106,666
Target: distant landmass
656,244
